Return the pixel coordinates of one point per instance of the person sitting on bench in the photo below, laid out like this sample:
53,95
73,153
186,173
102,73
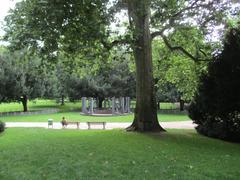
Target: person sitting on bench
64,122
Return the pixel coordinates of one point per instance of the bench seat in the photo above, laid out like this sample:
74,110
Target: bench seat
96,123
77,123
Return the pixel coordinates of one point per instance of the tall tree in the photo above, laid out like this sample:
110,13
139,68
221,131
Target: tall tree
22,78
75,26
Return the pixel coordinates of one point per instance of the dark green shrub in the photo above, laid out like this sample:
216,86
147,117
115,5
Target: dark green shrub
2,126
216,106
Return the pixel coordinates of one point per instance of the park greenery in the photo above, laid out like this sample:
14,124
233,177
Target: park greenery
80,31
67,50
176,60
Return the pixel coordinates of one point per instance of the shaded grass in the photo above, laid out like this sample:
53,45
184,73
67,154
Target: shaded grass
75,116
72,154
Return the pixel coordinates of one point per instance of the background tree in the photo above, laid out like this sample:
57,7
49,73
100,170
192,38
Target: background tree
216,106
174,74
21,78
112,80
167,92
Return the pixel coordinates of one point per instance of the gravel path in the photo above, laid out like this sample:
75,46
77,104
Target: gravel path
83,125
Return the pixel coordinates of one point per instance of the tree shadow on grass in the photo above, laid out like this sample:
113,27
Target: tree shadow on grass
190,139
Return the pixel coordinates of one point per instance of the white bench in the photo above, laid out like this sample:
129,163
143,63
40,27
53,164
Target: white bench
69,123
96,123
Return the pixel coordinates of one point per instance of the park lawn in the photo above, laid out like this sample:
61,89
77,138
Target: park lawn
37,153
39,104
75,116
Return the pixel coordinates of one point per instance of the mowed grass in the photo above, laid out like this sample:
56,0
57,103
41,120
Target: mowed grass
39,104
116,154
65,111
76,116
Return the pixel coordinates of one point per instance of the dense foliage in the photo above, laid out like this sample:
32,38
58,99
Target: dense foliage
21,77
216,107
113,80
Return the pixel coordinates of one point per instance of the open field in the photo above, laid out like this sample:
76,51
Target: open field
116,154
66,111
43,104
38,105
75,116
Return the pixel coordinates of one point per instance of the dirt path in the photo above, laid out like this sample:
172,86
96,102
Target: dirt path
83,125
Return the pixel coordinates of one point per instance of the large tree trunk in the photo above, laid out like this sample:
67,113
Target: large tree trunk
145,118
24,100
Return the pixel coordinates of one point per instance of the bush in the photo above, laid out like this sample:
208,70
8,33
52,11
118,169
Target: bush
2,126
216,106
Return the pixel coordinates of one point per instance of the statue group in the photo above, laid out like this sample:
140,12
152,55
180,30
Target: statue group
114,106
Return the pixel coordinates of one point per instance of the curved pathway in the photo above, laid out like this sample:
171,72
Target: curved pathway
109,125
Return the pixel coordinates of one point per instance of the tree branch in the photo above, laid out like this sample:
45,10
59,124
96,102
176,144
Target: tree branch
117,42
181,49
158,33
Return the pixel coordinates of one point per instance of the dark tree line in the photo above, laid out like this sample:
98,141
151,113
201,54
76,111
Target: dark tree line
216,106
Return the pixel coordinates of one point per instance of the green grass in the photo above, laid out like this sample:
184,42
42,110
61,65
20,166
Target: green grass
75,116
166,105
73,154
38,105
43,104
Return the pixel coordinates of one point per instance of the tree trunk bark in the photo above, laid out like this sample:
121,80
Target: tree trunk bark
181,102
145,117
62,100
158,105
24,100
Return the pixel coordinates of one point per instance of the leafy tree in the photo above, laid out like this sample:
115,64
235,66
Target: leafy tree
21,78
166,93
216,106
83,26
112,80
176,76
62,77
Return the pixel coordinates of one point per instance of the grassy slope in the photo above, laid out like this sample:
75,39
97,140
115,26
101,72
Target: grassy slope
72,154
75,116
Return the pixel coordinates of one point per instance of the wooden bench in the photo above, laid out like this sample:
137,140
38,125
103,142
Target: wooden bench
77,123
96,123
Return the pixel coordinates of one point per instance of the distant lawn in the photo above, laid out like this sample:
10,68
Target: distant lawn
38,105
73,154
75,116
